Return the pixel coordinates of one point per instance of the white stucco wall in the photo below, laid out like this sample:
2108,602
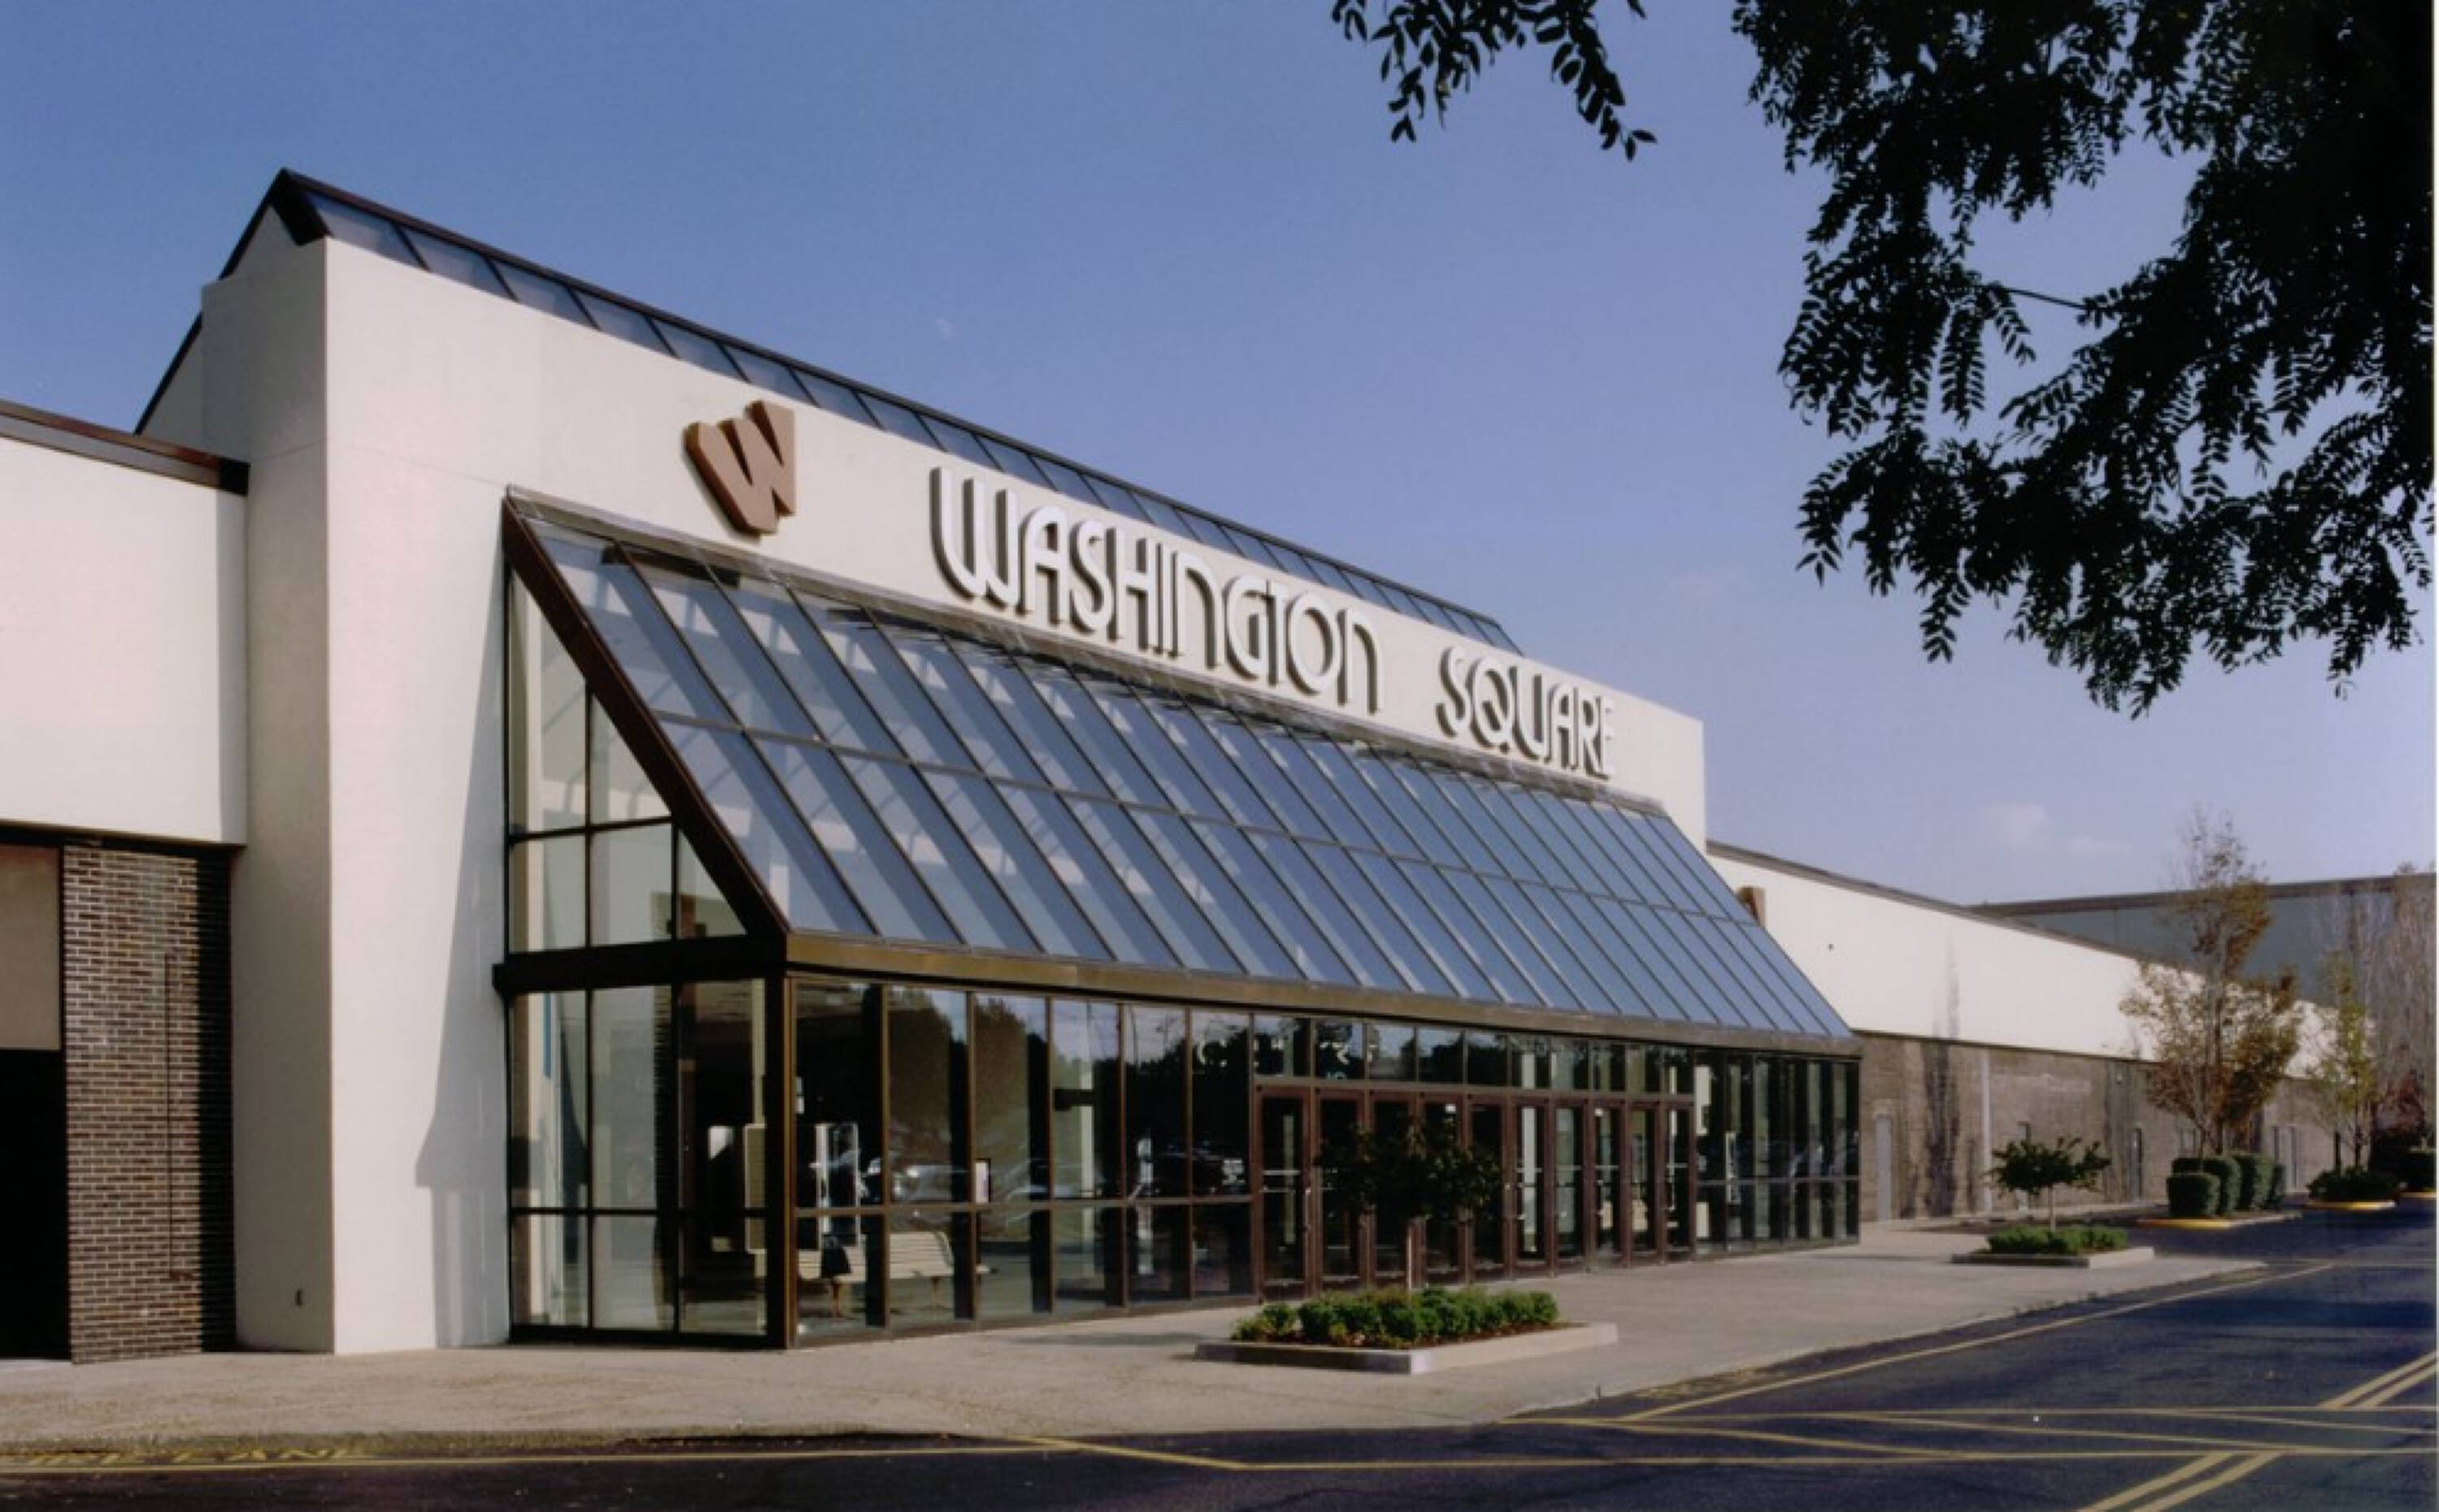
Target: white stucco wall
1893,967
122,652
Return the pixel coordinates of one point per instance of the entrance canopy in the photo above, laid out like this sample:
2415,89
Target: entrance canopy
879,777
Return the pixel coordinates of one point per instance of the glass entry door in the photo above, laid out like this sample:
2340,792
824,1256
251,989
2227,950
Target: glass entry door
1644,1188
1340,1228
1532,1160
1677,1185
1284,1149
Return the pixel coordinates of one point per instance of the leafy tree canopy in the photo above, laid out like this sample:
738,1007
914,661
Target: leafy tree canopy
2238,454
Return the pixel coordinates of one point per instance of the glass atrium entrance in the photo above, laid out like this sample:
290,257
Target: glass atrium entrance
867,977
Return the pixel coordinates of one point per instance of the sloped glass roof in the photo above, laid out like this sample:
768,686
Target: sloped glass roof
887,778
311,210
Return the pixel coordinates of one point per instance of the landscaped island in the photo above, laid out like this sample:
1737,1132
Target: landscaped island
1398,1319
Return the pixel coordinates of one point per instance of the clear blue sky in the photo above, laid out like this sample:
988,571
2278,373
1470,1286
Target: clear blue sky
1175,241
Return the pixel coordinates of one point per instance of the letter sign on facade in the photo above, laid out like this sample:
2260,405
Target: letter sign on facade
749,464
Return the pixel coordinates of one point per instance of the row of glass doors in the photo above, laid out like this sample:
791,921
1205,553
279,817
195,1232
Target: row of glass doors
1586,1181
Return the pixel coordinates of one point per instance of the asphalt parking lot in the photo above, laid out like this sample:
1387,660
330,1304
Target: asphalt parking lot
2309,1381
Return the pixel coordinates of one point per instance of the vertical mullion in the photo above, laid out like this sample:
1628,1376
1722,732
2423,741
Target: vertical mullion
779,1159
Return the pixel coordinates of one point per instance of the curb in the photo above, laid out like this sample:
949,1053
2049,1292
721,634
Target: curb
2099,1260
2254,1221
1534,1345
2351,1208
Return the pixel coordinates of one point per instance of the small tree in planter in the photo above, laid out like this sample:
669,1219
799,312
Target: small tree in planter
2038,1170
1419,1175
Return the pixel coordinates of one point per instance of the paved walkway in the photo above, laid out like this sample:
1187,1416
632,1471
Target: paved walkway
1125,1376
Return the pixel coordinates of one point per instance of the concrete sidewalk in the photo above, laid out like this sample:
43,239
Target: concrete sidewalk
1124,1375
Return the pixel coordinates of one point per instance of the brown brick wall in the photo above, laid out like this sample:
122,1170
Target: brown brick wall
1931,1092
145,984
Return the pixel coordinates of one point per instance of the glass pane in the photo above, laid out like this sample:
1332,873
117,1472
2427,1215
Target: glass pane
1031,886
547,894
1289,924
619,321
620,789
1407,955
1629,979
1392,1056
1224,1250
1282,1045
1066,479
1466,806
1011,692
874,666
1262,775
630,885
1434,805
968,709
1014,461
1156,1254
1485,1059
727,653
691,347
939,854
899,420
549,1164
833,396
1081,718
633,1281
632,1084
927,1094
762,372
837,1258
1179,785
802,883
549,1280
1011,1084
854,842
720,1128
1338,1050
547,706
1087,878
1502,932
812,672
1083,1240
1223,1082
1287,757
1195,745
374,232
622,612
1013,1278
1489,971
1356,796
1348,939
1440,943
1211,891
1422,829
1113,496
931,1276
1439,1056
960,441
703,909
1155,891
1084,1099
838,1098
1157,1156
537,292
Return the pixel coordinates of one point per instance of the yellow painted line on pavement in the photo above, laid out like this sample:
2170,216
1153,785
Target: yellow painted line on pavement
2037,1430
243,1461
2174,1478
2364,1394
2330,1425
2227,1477
2412,1382
1155,1456
2009,1337
1749,1434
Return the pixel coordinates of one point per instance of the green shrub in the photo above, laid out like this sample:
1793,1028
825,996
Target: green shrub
2186,1166
2352,1184
2251,1178
2192,1194
2223,1167
2027,1239
1396,1319
2418,1170
2274,1192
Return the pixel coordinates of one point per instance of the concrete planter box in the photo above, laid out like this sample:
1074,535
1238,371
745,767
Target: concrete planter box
1556,1341
2105,1260
2248,1220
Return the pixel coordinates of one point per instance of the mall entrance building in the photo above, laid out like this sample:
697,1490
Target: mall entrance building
534,818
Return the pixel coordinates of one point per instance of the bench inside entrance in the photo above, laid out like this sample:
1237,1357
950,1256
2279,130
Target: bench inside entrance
915,1254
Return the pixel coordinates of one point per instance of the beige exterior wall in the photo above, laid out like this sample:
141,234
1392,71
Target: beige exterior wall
122,652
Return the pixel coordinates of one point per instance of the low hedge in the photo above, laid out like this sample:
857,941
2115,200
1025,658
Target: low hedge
2274,1194
2032,1240
2251,1178
2352,1184
2229,1181
2418,1170
1396,1319
2192,1194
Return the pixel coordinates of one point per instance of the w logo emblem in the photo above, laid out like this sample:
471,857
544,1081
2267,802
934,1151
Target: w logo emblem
749,464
